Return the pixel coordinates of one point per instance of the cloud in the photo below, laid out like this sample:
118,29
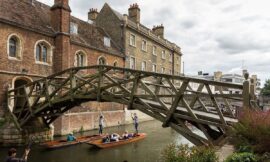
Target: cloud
213,34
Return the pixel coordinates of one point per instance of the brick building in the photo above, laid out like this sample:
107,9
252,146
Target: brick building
38,40
144,48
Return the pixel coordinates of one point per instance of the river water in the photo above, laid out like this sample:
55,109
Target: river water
147,150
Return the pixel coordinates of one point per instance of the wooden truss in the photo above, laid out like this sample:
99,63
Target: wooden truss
198,109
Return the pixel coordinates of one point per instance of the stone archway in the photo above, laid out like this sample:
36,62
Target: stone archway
18,82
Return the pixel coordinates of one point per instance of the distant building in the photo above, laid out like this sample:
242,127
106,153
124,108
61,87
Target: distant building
145,49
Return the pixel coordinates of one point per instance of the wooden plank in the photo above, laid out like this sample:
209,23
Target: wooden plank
179,96
216,105
133,91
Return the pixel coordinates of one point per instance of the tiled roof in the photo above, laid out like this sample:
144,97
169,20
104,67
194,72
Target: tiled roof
92,36
34,15
23,12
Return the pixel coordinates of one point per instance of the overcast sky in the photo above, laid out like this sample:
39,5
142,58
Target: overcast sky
215,35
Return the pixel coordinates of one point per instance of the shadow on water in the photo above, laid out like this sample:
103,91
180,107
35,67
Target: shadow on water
147,150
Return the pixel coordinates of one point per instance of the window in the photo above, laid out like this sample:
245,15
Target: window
132,62
143,65
144,45
154,50
177,60
14,49
102,61
81,59
163,54
73,28
115,63
132,40
107,41
163,70
43,52
154,68
171,57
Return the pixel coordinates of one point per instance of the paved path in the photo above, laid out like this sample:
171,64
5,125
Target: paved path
224,152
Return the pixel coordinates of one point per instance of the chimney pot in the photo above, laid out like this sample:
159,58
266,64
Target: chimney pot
92,14
134,12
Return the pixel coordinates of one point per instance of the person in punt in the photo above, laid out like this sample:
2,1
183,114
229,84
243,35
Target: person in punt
115,137
106,139
125,135
71,137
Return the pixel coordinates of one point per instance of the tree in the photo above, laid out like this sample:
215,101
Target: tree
266,89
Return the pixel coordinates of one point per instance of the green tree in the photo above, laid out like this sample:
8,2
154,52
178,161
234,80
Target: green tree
266,89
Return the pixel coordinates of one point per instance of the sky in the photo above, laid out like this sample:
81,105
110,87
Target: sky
214,35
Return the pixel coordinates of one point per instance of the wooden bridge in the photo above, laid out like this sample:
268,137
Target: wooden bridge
178,101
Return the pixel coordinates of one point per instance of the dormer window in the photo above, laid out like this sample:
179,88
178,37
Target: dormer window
73,28
107,42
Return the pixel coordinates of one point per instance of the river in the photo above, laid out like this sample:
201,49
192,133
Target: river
147,150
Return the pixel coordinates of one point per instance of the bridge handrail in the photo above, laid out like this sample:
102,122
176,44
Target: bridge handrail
177,77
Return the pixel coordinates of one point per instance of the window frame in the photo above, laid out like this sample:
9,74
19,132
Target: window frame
107,41
134,63
163,54
80,62
154,68
144,66
18,47
154,52
144,49
130,40
49,54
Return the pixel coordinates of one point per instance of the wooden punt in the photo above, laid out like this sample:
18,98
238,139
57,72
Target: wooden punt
64,143
100,144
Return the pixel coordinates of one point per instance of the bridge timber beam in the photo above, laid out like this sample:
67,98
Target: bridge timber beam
191,106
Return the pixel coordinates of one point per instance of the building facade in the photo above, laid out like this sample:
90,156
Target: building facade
145,49
39,40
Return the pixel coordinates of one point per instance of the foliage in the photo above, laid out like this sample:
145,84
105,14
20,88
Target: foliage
252,132
266,89
183,153
242,157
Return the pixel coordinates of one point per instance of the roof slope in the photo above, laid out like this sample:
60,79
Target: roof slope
36,16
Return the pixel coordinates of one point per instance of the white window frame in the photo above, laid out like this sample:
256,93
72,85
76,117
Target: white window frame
134,63
130,40
107,41
73,28
18,48
144,45
163,70
154,50
154,68
80,52
143,67
163,54
170,57
49,52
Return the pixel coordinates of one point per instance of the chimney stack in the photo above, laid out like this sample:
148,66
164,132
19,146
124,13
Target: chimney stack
134,13
92,14
159,30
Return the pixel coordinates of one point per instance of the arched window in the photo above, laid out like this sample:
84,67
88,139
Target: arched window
115,63
43,52
14,47
101,61
80,59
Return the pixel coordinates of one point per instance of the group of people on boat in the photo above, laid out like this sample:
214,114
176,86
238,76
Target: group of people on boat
116,137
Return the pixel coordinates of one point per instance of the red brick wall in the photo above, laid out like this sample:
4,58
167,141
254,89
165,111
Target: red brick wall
28,41
88,120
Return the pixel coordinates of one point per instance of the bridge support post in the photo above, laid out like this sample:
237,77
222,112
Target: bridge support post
246,92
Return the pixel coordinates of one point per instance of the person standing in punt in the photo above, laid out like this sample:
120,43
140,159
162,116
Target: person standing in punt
135,121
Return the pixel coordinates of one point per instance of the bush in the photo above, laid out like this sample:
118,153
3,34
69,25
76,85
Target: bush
252,131
242,157
183,153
